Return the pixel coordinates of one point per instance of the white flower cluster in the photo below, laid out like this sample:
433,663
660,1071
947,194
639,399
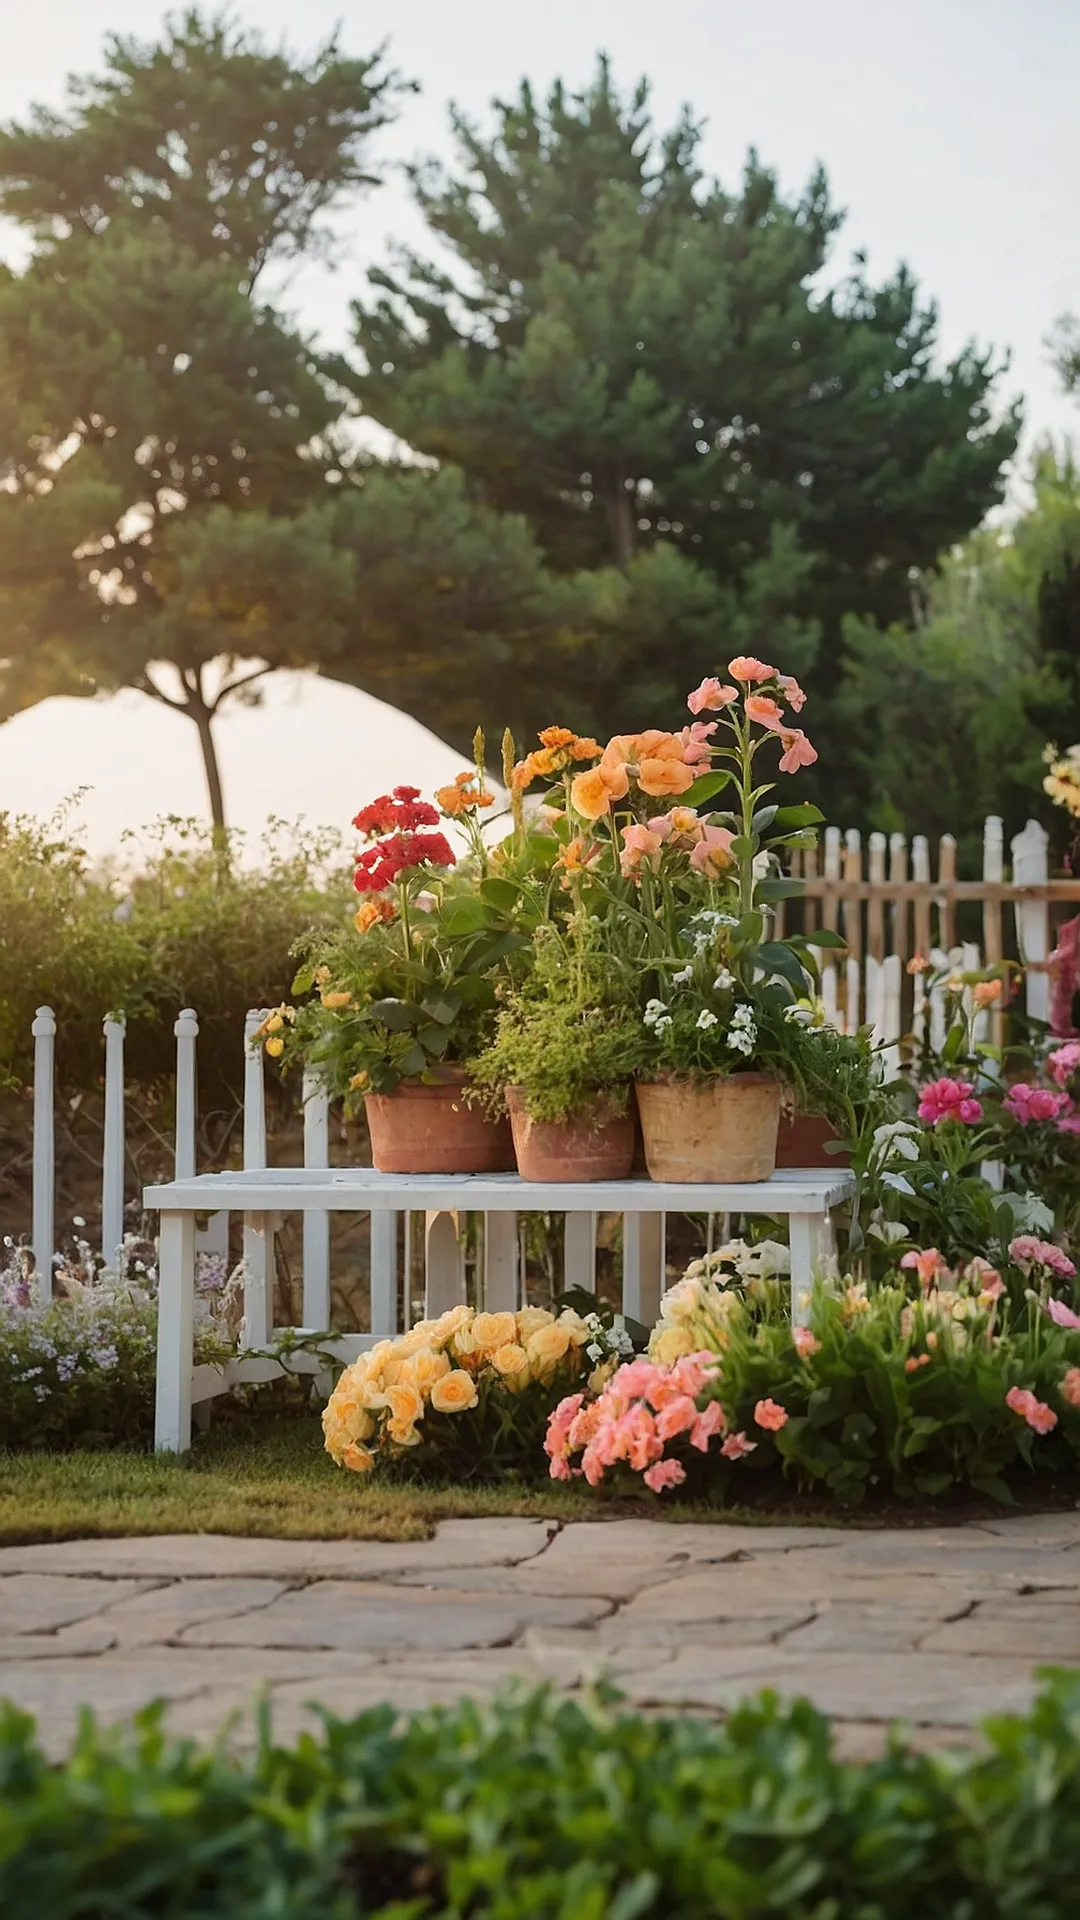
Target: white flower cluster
724,981
656,1016
896,1140
705,926
742,1033
605,1341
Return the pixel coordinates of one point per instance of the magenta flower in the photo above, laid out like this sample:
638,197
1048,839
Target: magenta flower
947,1099
1064,1062
1026,1104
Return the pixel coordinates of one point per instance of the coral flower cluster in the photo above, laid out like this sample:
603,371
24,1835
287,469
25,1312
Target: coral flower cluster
644,1409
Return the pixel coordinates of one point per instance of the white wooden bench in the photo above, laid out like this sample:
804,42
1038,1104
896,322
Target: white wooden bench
804,1198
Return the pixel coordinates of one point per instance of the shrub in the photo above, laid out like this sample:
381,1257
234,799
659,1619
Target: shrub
214,935
536,1809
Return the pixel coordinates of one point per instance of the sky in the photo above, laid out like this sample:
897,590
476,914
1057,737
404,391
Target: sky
948,128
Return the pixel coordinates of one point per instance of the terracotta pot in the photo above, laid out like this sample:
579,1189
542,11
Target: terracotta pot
576,1149
801,1143
432,1129
720,1130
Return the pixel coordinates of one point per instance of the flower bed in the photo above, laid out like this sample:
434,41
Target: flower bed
535,1809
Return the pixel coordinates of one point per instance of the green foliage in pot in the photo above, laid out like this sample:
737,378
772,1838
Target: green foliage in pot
568,1038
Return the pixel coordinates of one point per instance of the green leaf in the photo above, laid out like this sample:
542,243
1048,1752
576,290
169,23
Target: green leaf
769,890
763,818
443,1010
705,786
777,957
823,937
464,915
303,979
995,1488
789,819
503,895
434,1040
398,1015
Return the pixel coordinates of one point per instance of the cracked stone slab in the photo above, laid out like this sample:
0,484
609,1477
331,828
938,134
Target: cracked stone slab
456,1543
81,1638
745,1589
884,1628
622,1637
938,1689
41,1603
164,1613
1026,1628
365,1615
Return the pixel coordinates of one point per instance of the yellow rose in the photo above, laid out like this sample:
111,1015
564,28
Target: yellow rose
512,1362
358,1459
454,1393
547,1347
406,1403
417,1337
464,1343
668,1344
425,1368
450,1323
402,1433
575,1327
336,1000
530,1320
275,1048
492,1330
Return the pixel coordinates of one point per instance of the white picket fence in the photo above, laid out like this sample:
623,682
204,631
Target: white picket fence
885,917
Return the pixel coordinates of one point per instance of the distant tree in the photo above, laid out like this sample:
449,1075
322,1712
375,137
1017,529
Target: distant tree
167,440
646,367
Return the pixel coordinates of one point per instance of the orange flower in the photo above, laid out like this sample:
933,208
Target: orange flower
711,697
797,750
763,709
713,851
660,775
371,913
463,796
556,737
639,845
558,747
918,964
532,767
791,691
592,793
749,671
681,822
985,992
576,857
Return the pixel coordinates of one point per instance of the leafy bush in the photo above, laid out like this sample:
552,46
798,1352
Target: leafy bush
568,1038
536,1809
199,931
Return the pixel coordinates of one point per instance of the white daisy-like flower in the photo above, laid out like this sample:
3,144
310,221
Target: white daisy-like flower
724,980
684,975
705,1020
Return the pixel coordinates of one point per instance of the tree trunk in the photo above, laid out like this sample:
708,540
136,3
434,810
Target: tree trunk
619,506
204,721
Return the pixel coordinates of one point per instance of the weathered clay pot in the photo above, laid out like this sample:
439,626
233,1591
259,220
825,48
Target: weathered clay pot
433,1129
578,1149
801,1143
720,1130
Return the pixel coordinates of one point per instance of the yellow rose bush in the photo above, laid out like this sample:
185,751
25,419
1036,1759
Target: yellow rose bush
465,1396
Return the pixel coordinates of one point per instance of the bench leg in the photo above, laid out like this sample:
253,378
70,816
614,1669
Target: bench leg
644,1270
805,1234
175,1332
258,1277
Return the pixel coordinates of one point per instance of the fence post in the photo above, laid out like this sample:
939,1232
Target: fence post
316,1226
44,1196
258,1240
112,1155
186,1029
1033,917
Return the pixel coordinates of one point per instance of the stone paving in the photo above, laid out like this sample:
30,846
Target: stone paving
935,1627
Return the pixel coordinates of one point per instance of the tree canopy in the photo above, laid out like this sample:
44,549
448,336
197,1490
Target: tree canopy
166,438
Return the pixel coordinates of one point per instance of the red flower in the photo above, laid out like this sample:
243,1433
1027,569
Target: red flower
379,866
399,812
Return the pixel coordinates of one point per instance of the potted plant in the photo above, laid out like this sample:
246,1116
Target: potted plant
404,999
562,1059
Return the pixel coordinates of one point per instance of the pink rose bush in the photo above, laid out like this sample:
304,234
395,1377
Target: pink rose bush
949,1099
645,1416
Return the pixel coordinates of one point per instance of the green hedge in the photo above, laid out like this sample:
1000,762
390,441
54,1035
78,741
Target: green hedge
199,933
533,1809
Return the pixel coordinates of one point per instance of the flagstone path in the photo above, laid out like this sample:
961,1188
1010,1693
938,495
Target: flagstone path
935,1627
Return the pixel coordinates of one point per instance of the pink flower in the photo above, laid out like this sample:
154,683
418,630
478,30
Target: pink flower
1026,1104
707,1423
560,1469
1026,1250
695,741
1063,1316
770,1415
761,708
556,1440
798,751
1040,1417
710,697
665,1473
639,845
694,1371
1070,1386
791,691
1064,1062
680,1414
947,1099
712,855
1069,1123
929,1266
635,1379
737,1445
806,1342
638,1438
748,671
